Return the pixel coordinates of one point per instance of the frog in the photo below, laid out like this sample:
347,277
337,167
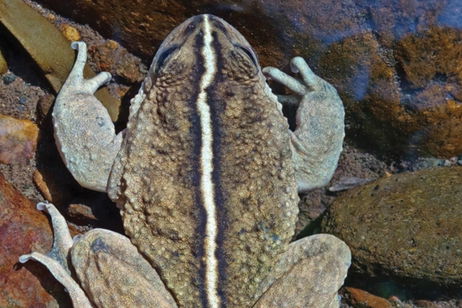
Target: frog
207,176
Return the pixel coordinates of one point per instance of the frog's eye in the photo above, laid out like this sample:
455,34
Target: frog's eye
248,52
164,56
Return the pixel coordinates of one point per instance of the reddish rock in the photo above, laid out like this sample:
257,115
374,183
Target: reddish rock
363,299
18,140
23,229
110,56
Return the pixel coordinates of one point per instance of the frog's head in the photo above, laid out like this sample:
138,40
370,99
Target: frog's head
201,43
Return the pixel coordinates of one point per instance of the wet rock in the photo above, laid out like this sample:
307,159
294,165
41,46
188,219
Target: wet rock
363,299
395,63
407,226
23,229
18,140
431,86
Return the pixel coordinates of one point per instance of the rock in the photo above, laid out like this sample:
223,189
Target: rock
8,78
18,140
19,97
425,304
42,185
23,229
112,57
395,63
363,299
71,33
82,213
44,105
406,226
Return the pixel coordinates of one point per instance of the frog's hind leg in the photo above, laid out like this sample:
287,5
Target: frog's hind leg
316,142
309,274
107,265
56,259
84,133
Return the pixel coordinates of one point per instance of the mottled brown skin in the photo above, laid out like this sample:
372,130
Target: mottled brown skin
254,179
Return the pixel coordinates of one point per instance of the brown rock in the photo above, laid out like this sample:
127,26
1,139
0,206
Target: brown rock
18,140
363,299
41,185
81,212
23,229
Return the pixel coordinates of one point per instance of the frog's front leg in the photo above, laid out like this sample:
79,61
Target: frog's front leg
108,267
84,133
309,274
316,142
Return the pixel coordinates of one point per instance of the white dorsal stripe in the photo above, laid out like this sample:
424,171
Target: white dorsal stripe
206,161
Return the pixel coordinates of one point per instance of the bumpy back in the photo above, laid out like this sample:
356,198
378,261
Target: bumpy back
207,187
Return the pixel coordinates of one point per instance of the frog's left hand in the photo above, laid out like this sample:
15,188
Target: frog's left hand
316,142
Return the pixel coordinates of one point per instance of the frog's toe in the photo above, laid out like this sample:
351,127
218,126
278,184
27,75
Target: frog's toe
299,65
62,240
56,260
78,297
285,79
75,81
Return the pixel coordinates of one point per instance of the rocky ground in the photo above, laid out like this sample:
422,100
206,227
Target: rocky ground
391,201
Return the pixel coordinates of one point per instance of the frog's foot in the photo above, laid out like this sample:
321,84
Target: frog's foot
114,274
56,259
84,133
107,265
309,274
316,142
